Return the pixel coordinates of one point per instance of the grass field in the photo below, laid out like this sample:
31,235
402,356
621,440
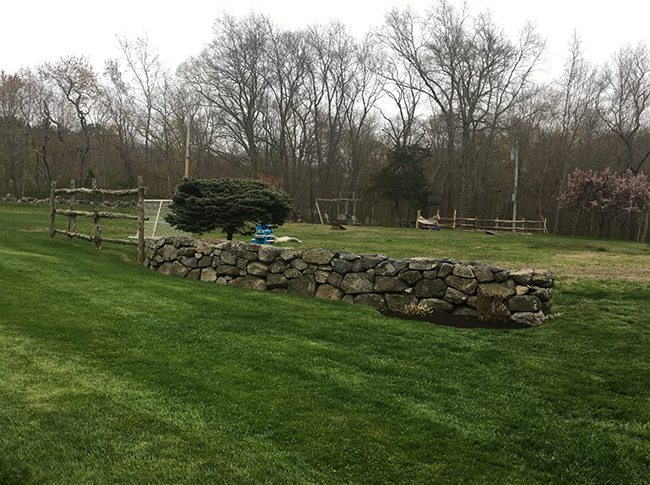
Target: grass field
111,373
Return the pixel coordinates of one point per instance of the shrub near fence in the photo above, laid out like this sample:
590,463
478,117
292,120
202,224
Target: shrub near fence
443,285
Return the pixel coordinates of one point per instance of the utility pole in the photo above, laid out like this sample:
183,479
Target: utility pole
514,156
187,148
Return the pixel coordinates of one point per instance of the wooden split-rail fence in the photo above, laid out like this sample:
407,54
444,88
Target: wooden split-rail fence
474,223
95,193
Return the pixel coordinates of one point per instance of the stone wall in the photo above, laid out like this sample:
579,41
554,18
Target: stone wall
443,285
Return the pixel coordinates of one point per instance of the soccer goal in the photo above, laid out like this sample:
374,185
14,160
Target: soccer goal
156,226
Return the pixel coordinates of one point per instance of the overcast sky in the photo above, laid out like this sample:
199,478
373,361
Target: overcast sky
32,32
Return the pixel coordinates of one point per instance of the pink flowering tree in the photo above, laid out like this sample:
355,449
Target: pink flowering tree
606,194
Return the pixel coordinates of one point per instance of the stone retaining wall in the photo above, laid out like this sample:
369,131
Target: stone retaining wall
443,285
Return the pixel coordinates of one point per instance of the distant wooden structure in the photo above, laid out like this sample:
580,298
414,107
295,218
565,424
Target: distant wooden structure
344,199
96,214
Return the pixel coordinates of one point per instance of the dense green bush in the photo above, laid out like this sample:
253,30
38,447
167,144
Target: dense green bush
227,204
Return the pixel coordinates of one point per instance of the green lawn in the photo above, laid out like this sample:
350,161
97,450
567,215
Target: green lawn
111,373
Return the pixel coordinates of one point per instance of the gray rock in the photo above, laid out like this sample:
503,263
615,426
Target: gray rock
165,268
371,299
463,271
430,288
543,279
397,302
504,290
466,285
268,254
501,276
391,267
521,290
348,256
278,267
317,256
410,277
299,264
257,268
524,303
303,286
544,294
438,305
227,270
522,276
483,273
348,299
531,319
229,257
430,275
289,254
329,292
342,266
335,279
190,262
423,264
292,273
275,280
250,282
209,274
321,276
194,274
452,295
444,270
389,284
354,283
368,261
178,269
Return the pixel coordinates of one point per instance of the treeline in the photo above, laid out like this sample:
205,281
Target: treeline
423,113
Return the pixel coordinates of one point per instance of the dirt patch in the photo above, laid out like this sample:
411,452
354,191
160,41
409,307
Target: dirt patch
457,321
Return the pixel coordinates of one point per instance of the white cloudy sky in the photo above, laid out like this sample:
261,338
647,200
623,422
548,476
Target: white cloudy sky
35,31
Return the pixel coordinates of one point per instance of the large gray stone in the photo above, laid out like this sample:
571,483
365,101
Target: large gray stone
178,269
391,267
342,266
452,295
483,273
371,299
522,276
247,255
544,294
209,274
445,269
504,290
275,280
465,311
430,288
227,270
229,257
292,273
257,268
423,264
389,284
368,261
531,319
299,264
321,276
303,286
329,292
354,283
335,279
278,267
397,302
268,254
438,305
410,276
543,279
289,254
463,271
317,256
466,285
250,282
525,303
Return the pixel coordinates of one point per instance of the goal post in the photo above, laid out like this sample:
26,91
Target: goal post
155,226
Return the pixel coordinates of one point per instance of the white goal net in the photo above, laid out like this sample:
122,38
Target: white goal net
155,226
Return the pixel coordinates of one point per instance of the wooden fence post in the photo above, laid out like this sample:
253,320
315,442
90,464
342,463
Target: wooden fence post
71,218
417,219
52,209
98,231
453,225
140,221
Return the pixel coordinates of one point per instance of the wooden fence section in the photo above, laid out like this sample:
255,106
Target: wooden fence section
474,223
96,214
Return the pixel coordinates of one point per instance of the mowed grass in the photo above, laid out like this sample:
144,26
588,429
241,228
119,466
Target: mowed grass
110,373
